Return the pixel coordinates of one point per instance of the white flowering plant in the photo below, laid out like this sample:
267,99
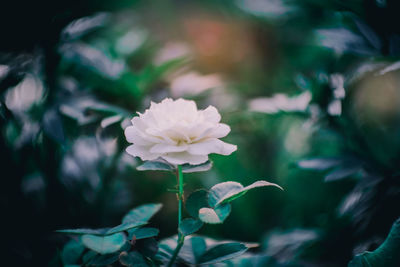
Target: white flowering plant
173,135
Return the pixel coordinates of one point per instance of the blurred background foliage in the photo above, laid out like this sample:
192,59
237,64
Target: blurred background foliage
309,88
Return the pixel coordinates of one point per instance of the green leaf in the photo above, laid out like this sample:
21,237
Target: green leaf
187,168
132,259
216,215
199,246
319,163
142,213
226,192
110,120
166,249
192,249
251,260
126,247
141,233
189,226
104,260
103,231
155,166
222,252
71,252
343,40
342,172
386,255
343,167
196,201
221,191
104,244
369,33
52,126
88,256
293,241
147,247
159,165
83,231
195,247
125,226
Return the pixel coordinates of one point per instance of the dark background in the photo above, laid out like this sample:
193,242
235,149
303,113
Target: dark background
63,75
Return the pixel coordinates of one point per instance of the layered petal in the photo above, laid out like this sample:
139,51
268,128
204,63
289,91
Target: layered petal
166,148
178,132
134,136
218,131
211,114
142,152
179,158
211,146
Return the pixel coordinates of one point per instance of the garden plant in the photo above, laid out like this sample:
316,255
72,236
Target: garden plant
169,136
132,130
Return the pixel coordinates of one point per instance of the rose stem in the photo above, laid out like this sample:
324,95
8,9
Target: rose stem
181,238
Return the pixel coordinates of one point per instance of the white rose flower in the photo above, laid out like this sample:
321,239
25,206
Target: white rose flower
176,131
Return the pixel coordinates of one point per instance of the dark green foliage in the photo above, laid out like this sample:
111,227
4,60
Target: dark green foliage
104,244
147,247
142,213
141,233
109,245
165,166
215,215
133,259
213,206
222,252
226,192
196,200
187,168
105,231
202,250
103,260
71,252
155,166
190,226
387,254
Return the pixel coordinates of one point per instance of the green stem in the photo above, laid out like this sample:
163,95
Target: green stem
180,194
181,238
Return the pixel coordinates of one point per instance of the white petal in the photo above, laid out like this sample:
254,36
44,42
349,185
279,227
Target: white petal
134,135
196,129
129,134
166,148
211,146
139,123
141,152
184,157
169,135
219,131
211,114
177,134
186,105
